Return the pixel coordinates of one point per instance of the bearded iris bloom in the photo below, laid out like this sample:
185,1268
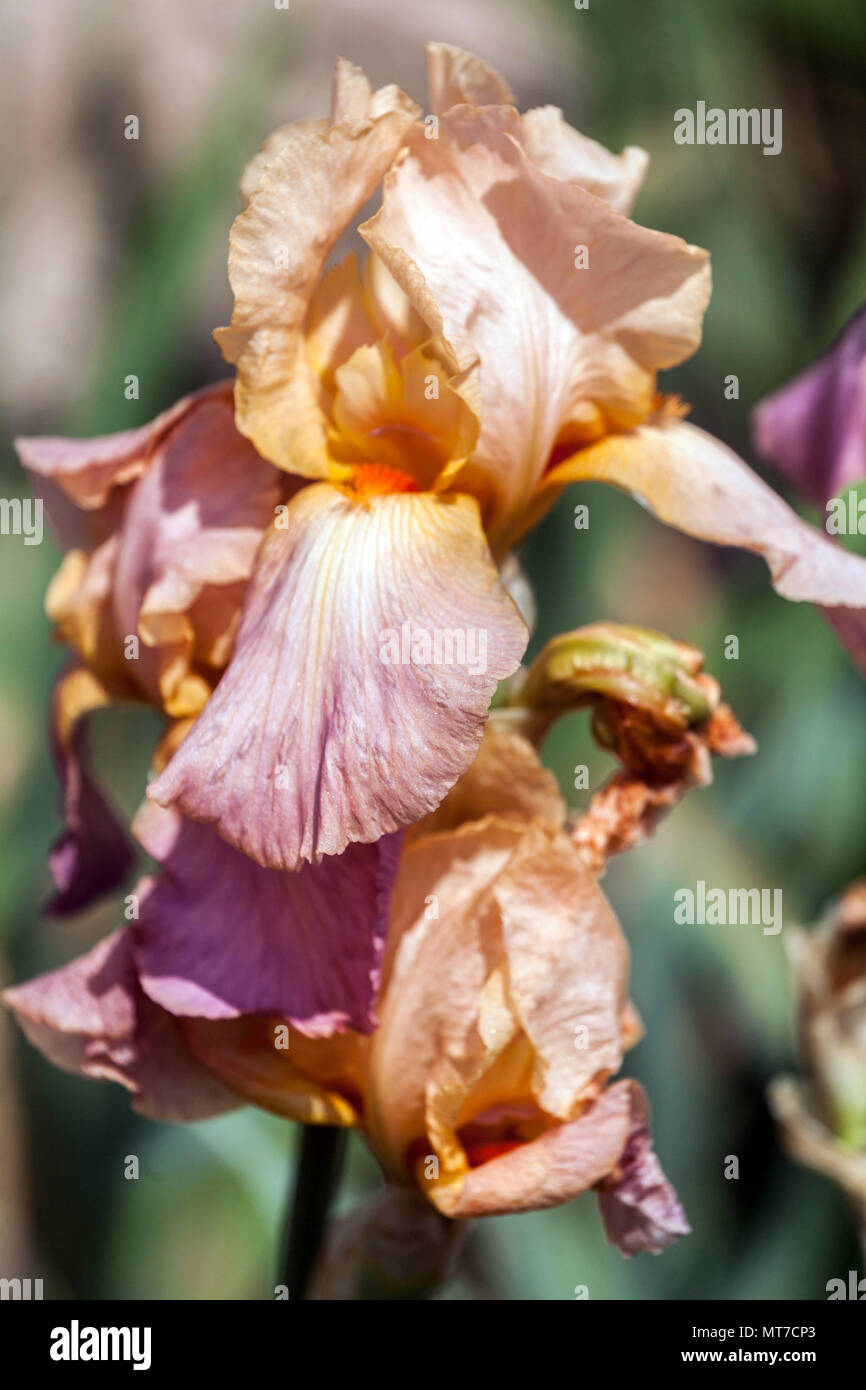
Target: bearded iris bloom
412,420
394,429
502,1014
502,1011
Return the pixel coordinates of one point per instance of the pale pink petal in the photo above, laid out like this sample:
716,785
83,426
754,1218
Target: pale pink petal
187,544
339,719
556,148
219,936
456,77
484,244
91,1017
88,469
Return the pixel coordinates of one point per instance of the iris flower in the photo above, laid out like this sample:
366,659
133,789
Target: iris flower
501,1005
398,430
503,1013
268,562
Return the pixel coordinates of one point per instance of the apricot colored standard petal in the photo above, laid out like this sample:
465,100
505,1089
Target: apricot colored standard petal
568,981
317,175
455,78
444,944
91,1017
219,936
374,634
693,482
487,248
92,855
558,149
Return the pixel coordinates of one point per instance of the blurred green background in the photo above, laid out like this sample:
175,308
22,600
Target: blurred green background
114,262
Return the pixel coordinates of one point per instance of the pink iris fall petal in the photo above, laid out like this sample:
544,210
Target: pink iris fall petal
327,728
187,544
639,1207
219,936
91,1017
175,511
87,470
814,429
92,855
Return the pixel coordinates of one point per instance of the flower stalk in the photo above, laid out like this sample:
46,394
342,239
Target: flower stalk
317,1177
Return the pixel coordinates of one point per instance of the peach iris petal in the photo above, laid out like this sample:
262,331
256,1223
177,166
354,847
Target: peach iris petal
388,412
91,1017
318,174
80,604
485,996
587,988
556,148
437,965
338,324
557,1166
321,732
219,936
692,481
313,1082
484,244
456,78
506,775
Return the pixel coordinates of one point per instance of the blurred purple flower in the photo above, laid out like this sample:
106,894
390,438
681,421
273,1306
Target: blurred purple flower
814,429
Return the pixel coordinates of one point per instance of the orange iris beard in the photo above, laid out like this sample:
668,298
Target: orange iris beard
372,479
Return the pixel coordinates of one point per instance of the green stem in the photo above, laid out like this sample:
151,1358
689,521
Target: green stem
317,1177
